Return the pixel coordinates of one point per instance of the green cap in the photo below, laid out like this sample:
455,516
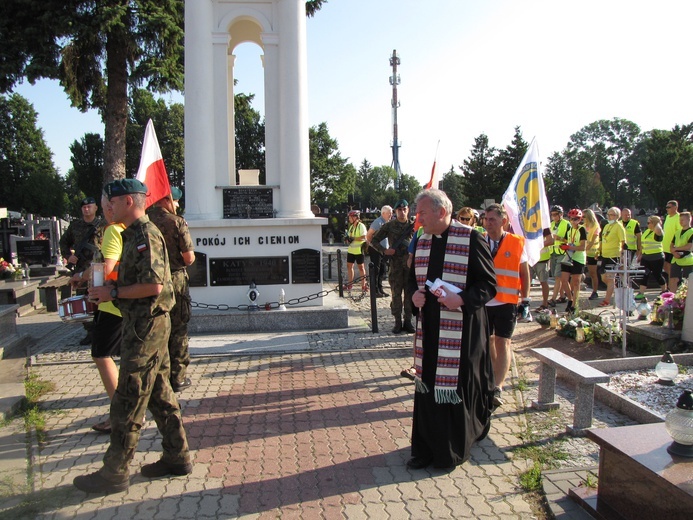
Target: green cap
176,193
402,204
124,187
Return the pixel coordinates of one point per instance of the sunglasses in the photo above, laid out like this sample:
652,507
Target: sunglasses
575,219
465,219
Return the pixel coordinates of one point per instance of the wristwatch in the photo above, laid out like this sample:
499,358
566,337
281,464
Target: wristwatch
114,293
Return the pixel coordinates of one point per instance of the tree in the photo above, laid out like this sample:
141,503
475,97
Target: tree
452,183
97,50
332,178
667,161
250,135
507,162
30,181
87,166
313,6
478,171
604,147
372,184
409,188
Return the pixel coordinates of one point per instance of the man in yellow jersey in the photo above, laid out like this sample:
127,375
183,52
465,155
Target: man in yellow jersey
559,227
672,224
633,235
681,249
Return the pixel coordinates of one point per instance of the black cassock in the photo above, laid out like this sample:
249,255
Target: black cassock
446,432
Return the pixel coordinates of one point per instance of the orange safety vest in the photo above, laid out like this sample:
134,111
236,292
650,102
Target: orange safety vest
507,267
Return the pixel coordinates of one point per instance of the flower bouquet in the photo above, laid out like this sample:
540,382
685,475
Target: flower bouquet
7,270
672,306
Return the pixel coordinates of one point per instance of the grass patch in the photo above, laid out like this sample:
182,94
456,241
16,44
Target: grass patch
530,480
522,384
34,417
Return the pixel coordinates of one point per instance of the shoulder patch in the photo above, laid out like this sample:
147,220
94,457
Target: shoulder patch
142,247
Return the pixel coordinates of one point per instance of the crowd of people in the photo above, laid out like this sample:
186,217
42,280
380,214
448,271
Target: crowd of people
466,279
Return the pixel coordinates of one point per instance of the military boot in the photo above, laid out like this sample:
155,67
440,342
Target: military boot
408,327
398,325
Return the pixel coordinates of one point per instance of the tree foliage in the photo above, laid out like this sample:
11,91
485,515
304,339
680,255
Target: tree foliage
372,184
452,183
85,174
507,162
478,171
97,50
30,181
332,177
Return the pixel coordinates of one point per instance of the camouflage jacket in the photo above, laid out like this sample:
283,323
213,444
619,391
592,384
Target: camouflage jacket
176,234
144,260
84,238
393,230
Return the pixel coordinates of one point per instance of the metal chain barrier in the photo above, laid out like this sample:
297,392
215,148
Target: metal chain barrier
275,305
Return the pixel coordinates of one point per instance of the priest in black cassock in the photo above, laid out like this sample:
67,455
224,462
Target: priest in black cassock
454,377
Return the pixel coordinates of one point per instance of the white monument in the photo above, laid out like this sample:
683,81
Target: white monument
242,233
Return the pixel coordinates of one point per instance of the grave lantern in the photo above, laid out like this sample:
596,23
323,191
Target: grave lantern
679,424
666,370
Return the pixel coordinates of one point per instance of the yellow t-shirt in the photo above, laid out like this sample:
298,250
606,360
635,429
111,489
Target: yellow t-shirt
357,231
111,248
613,236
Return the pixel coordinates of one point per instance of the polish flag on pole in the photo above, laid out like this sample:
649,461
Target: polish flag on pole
152,171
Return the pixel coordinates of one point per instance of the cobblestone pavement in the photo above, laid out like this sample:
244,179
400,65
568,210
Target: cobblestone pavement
319,434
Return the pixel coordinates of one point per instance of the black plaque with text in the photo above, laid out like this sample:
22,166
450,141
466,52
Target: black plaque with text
34,252
248,203
305,266
263,270
197,272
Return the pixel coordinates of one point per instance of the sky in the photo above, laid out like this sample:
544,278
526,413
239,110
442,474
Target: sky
467,67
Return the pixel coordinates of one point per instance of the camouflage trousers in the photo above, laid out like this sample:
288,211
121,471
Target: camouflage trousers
180,316
399,277
143,383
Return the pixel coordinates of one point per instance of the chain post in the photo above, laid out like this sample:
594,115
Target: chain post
374,305
340,280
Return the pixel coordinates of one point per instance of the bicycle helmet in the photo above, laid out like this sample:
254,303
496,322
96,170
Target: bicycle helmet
476,214
556,209
355,213
575,213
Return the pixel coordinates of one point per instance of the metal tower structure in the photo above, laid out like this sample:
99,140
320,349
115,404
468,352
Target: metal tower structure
394,81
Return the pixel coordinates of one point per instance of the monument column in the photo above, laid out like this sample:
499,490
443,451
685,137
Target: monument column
224,145
294,163
200,204
270,63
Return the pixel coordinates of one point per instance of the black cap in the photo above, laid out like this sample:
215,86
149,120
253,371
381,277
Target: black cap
88,200
124,187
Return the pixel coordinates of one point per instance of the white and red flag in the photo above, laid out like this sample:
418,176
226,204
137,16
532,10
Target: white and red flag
152,171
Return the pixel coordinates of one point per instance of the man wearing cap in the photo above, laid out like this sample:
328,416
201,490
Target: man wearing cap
81,240
144,295
180,255
398,232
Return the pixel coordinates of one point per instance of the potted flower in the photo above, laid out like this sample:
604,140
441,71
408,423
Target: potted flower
6,269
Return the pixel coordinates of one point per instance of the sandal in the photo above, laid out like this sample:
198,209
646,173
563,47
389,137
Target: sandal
543,308
552,303
103,427
605,304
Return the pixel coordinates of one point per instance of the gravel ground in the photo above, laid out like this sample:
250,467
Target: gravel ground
641,386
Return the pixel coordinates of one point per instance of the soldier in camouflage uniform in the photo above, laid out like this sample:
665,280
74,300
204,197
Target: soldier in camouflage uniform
399,232
144,295
180,255
82,237
81,240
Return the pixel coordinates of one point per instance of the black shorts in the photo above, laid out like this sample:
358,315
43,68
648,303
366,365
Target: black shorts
501,319
108,334
668,257
354,259
591,260
575,268
609,261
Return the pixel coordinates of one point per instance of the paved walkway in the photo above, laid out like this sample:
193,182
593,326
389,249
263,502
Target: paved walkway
318,433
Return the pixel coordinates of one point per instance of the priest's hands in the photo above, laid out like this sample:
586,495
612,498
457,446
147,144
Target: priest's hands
419,298
451,301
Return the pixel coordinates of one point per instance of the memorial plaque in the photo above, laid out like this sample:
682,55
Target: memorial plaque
34,252
305,266
248,203
263,270
197,272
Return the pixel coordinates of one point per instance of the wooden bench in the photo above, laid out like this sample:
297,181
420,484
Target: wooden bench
50,289
583,375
